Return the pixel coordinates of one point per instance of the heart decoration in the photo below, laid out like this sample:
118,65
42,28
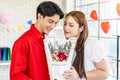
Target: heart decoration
5,18
94,15
118,8
105,26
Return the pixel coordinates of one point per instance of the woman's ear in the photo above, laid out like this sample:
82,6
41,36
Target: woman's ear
81,28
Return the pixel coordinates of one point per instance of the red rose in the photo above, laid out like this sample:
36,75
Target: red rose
61,56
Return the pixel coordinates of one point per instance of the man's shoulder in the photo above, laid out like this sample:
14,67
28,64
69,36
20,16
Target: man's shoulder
26,35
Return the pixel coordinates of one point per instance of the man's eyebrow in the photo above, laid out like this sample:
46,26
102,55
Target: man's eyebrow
51,20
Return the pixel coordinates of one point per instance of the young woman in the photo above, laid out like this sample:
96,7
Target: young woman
89,62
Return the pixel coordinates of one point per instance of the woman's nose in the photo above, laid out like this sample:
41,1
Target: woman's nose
66,27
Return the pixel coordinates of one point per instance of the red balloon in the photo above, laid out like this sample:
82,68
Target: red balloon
105,26
94,15
118,8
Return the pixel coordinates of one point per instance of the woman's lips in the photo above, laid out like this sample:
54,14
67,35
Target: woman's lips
66,32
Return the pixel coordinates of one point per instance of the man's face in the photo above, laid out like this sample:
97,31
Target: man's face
48,23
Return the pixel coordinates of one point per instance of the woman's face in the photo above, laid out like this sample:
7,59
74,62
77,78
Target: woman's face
71,27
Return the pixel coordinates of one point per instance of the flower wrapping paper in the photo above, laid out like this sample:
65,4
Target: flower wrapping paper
59,54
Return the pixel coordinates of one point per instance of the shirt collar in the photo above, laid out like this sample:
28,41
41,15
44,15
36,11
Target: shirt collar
36,32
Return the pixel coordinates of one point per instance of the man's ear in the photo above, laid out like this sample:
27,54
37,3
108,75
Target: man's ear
81,28
40,16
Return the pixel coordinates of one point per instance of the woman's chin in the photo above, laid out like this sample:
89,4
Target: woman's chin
67,37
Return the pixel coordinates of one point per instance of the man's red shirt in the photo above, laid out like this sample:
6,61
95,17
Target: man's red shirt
28,57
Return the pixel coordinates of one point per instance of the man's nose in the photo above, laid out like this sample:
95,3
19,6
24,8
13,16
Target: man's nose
53,25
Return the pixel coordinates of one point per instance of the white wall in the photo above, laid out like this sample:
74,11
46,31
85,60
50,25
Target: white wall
21,11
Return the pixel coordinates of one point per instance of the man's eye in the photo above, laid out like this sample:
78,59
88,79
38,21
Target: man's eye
50,21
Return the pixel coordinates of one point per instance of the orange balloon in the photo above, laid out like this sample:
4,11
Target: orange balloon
118,8
94,15
105,26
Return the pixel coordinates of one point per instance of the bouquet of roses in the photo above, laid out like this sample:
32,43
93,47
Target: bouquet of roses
59,52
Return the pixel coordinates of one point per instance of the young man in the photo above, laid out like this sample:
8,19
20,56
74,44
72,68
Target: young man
28,54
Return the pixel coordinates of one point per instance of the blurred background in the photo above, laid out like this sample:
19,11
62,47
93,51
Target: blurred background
103,18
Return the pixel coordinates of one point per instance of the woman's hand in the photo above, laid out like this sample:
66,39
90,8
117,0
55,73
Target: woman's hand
71,74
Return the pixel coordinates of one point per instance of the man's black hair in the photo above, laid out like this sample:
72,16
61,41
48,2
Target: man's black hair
48,8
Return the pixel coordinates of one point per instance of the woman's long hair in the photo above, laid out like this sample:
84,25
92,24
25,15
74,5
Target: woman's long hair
79,59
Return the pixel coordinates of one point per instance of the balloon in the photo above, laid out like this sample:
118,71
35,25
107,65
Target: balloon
29,22
20,27
94,15
5,18
105,26
118,8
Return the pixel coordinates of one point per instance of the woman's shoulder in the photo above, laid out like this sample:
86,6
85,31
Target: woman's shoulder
93,42
96,49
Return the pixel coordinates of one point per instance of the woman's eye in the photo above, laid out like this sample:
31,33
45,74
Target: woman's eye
65,24
71,26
